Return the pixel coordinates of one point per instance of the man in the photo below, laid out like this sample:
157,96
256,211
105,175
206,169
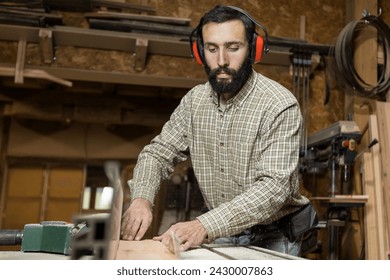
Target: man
242,131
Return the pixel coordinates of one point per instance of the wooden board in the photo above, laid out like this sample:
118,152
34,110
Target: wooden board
377,167
383,117
342,199
370,217
144,250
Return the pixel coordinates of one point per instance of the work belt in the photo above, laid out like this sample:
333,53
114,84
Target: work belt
293,225
274,226
261,229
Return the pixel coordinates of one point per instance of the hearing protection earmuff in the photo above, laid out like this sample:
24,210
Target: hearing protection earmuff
259,44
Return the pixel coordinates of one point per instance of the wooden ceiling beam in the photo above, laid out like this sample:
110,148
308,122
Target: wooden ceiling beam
106,77
127,42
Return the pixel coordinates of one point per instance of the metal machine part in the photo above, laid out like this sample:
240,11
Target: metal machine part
332,148
229,252
101,240
47,236
94,243
11,237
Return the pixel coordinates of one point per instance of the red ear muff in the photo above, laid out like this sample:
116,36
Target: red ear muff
195,53
257,48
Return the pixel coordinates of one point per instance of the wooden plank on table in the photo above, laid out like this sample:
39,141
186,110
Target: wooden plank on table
383,116
144,250
377,167
370,216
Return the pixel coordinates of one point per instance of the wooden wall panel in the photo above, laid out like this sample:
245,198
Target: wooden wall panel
62,210
66,182
86,141
37,193
19,212
23,196
65,192
18,186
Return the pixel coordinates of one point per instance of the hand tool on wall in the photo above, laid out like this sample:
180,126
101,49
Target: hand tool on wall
301,71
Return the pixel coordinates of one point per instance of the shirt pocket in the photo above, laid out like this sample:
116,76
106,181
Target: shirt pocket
240,164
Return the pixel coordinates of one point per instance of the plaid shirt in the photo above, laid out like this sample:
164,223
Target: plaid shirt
244,154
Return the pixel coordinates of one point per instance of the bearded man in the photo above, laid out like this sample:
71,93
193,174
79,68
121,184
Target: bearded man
242,132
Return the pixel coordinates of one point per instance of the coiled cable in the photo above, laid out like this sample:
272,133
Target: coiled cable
344,56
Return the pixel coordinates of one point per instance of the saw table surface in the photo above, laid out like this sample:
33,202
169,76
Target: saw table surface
228,252
205,252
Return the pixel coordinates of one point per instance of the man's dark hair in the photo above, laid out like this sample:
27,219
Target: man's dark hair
220,14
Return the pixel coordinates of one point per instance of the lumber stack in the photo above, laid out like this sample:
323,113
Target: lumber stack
36,17
136,23
101,14
77,5
40,13
376,184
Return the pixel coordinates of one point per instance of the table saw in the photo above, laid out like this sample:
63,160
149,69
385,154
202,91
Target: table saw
100,239
205,252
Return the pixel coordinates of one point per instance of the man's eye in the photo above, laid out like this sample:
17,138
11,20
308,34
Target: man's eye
212,50
234,49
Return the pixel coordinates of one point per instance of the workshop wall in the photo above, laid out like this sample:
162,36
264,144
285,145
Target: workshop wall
323,21
281,18
74,141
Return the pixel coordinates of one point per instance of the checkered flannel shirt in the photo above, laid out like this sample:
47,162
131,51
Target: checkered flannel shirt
244,154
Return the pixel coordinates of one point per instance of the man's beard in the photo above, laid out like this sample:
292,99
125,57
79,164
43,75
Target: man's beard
238,78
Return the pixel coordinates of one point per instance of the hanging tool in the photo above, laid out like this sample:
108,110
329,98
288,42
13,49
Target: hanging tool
301,65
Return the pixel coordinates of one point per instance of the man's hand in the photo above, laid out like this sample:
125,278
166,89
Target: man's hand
189,234
136,219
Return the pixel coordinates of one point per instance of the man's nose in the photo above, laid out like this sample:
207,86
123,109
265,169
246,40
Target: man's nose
223,58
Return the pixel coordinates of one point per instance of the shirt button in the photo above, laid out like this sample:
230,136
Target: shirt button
222,195
222,170
221,144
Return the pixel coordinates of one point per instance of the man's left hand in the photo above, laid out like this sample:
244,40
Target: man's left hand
189,234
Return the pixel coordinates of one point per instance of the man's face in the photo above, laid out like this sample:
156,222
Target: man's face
226,53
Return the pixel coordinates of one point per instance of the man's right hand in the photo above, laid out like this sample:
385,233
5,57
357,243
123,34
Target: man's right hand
136,219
